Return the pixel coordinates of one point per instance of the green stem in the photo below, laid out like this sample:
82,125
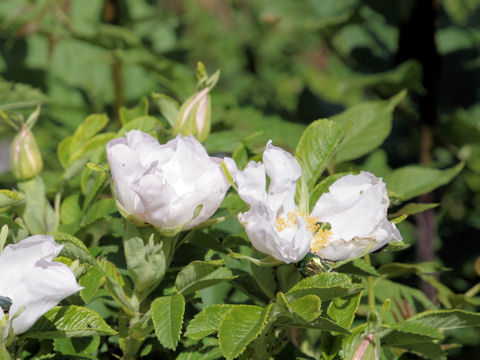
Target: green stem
58,200
473,291
371,292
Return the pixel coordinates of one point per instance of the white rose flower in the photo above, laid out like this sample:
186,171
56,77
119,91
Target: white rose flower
171,186
345,222
356,209
273,223
31,279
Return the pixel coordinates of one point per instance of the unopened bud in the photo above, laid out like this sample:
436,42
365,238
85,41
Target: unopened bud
194,116
25,159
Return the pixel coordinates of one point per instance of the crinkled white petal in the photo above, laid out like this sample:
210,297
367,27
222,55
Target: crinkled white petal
354,205
356,208
290,245
251,183
31,279
163,185
41,288
282,169
16,259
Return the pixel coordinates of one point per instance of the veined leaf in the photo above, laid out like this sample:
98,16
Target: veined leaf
239,326
167,317
342,309
410,181
10,198
201,274
316,147
206,321
371,124
326,286
447,319
69,321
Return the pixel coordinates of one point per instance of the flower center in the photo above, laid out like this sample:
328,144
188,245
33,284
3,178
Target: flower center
320,231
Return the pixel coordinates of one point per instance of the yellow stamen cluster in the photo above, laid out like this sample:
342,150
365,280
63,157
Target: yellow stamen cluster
320,235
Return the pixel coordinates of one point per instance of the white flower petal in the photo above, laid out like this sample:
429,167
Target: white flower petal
163,185
290,245
356,208
41,288
126,168
31,279
251,183
16,259
282,169
354,205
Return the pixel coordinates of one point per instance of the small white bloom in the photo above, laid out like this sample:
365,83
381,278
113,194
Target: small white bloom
31,279
164,185
345,222
273,223
356,209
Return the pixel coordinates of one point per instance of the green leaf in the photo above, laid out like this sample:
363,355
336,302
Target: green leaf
371,123
239,326
168,107
117,287
287,276
101,209
73,247
308,307
90,146
342,309
69,321
399,269
77,347
208,351
358,267
167,317
410,332
429,350
38,214
92,125
92,183
447,319
201,274
324,323
265,279
3,236
316,147
10,198
411,209
71,209
91,281
410,181
63,151
206,321
126,115
146,124
396,246
326,286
